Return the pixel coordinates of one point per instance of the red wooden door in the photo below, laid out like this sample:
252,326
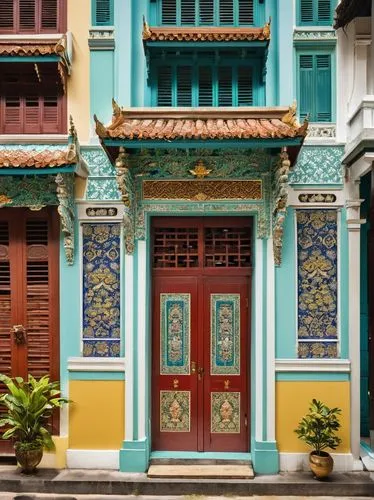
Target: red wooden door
200,368
29,284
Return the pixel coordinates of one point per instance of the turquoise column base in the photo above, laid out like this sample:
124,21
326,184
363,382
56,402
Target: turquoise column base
265,457
134,456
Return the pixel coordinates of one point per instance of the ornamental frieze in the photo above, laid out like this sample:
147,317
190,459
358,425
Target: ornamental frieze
201,190
317,198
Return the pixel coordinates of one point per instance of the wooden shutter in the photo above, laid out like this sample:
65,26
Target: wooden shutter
206,12
51,114
27,16
188,14
184,86
164,86
323,88
49,15
104,13
5,302
245,86
324,12
306,86
246,15
306,11
205,86
12,116
32,118
225,86
7,16
169,12
226,12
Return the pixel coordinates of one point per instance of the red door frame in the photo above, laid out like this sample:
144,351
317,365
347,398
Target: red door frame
218,275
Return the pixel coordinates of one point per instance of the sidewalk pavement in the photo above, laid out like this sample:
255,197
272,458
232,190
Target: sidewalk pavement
102,482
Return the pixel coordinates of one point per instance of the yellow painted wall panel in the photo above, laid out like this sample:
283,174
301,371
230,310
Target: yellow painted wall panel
292,403
78,91
96,414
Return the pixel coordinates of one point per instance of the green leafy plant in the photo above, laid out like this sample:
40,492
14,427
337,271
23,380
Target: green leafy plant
318,427
29,404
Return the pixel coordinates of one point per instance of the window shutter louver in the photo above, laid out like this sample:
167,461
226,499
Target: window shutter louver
188,15
164,86
225,86
12,114
245,86
49,15
5,302
206,14
246,15
205,86
226,12
184,86
37,296
307,96
169,12
103,13
32,114
306,11
324,11
323,88
27,15
50,114
6,16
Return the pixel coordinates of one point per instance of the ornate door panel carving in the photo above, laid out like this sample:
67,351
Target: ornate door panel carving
200,367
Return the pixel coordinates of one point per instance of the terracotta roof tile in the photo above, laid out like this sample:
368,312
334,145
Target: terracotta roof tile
205,34
202,123
31,48
26,158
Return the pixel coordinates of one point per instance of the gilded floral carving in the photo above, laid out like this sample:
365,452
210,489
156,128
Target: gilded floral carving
225,412
175,411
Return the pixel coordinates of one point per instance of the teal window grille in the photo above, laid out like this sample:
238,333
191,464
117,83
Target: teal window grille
102,13
314,86
206,12
205,84
316,12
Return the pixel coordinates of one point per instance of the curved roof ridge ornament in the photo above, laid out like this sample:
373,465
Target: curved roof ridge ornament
100,128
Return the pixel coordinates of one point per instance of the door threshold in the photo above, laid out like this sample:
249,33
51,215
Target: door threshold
201,455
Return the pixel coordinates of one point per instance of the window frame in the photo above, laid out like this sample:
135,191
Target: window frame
315,21
61,20
94,14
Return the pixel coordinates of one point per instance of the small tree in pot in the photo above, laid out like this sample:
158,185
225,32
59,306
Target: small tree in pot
29,405
318,429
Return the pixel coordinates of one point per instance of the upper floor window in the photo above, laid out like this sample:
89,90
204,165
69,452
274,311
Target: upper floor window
315,12
32,16
31,100
315,86
102,13
206,12
232,83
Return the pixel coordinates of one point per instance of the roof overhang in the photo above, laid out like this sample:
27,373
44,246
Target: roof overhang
348,10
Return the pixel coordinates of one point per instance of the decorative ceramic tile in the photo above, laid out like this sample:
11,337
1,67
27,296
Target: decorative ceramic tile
318,165
98,162
225,412
175,411
175,333
101,289
317,279
318,350
103,188
225,334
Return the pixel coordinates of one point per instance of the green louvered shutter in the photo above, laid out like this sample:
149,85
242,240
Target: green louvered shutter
323,87
226,12
324,12
188,14
103,13
165,86
306,11
206,12
245,86
169,12
184,86
246,14
225,86
205,86
306,86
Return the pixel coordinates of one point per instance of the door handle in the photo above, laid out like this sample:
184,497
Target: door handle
200,373
193,367
19,334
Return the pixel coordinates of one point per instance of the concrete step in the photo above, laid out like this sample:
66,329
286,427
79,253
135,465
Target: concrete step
197,461
196,471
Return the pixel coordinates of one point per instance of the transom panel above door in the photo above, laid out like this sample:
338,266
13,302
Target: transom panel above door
200,366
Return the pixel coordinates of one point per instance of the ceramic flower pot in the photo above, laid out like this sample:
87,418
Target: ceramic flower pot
28,459
321,464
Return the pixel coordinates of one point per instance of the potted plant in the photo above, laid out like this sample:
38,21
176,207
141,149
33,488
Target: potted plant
318,429
29,405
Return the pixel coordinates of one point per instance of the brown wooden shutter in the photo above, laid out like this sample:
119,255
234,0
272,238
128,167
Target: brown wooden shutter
12,114
37,298
49,15
32,121
5,302
27,16
7,16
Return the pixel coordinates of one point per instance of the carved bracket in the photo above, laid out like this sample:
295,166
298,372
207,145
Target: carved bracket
65,196
126,187
280,198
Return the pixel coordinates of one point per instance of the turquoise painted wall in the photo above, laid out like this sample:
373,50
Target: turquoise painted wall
285,294
140,95
344,285
102,83
365,188
285,23
123,53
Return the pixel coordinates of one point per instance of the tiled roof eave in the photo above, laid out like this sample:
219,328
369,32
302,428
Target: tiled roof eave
46,159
